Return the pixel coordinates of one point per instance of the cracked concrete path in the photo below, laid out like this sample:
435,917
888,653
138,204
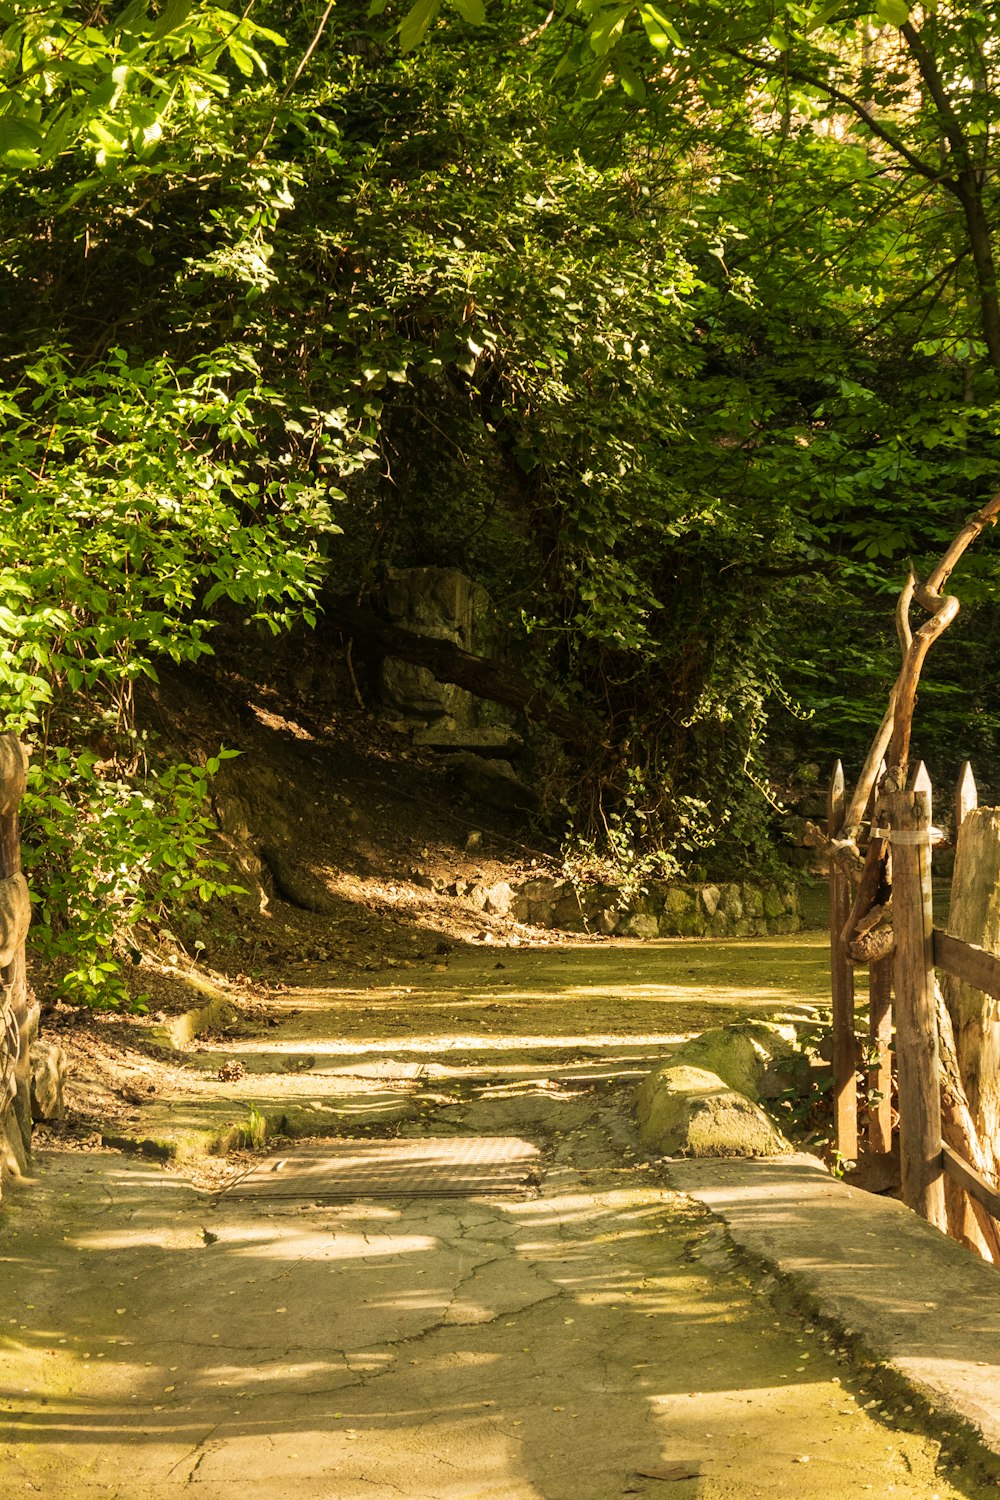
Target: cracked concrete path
589,1340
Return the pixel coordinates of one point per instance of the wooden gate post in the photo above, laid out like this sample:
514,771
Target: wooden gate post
879,1127
919,1079
845,1047
18,1017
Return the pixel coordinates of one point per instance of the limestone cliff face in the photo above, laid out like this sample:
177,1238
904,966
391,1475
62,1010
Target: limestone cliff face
446,605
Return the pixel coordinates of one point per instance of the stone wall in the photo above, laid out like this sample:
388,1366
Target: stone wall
729,909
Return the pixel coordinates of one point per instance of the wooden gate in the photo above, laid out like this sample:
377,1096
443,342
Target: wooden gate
904,1001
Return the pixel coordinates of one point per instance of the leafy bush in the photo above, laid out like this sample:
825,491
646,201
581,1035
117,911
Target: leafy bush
122,523
107,854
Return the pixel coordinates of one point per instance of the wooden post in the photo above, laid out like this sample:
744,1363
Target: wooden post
880,1072
879,1120
919,1082
974,917
17,1015
845,1059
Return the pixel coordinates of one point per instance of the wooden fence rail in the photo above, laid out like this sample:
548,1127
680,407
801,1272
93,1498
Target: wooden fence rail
967,962
903,1001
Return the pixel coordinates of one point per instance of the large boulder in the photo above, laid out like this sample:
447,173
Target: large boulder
688,1111
415,692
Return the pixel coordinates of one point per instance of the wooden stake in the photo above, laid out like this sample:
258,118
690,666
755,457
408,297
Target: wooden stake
919,1082
845,1061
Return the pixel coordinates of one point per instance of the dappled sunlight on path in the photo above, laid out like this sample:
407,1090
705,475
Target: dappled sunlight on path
531,1350
572,1342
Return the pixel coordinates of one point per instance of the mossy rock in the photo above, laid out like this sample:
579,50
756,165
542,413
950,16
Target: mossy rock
567,915
638,924
688,1111
678,902
710,897
690,924
754,1057
753,900
774,902
731,902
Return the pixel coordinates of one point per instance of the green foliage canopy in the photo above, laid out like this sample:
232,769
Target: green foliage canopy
674,327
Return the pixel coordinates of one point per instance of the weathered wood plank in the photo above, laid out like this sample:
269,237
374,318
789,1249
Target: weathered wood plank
968,1220
845,1059
971,965
918,1079
974,1183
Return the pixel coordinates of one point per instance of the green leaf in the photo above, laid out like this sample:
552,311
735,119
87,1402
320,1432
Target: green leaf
824,13
606,29
660,31
892,12
174,14
414,26
20,141
632,82
473,11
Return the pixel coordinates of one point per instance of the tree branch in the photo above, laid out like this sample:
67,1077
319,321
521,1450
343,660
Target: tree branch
898,719
854,105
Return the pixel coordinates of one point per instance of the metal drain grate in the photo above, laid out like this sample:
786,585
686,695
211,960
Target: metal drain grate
433,1167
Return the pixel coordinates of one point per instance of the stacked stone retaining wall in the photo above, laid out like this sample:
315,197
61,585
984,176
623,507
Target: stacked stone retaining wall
661,909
